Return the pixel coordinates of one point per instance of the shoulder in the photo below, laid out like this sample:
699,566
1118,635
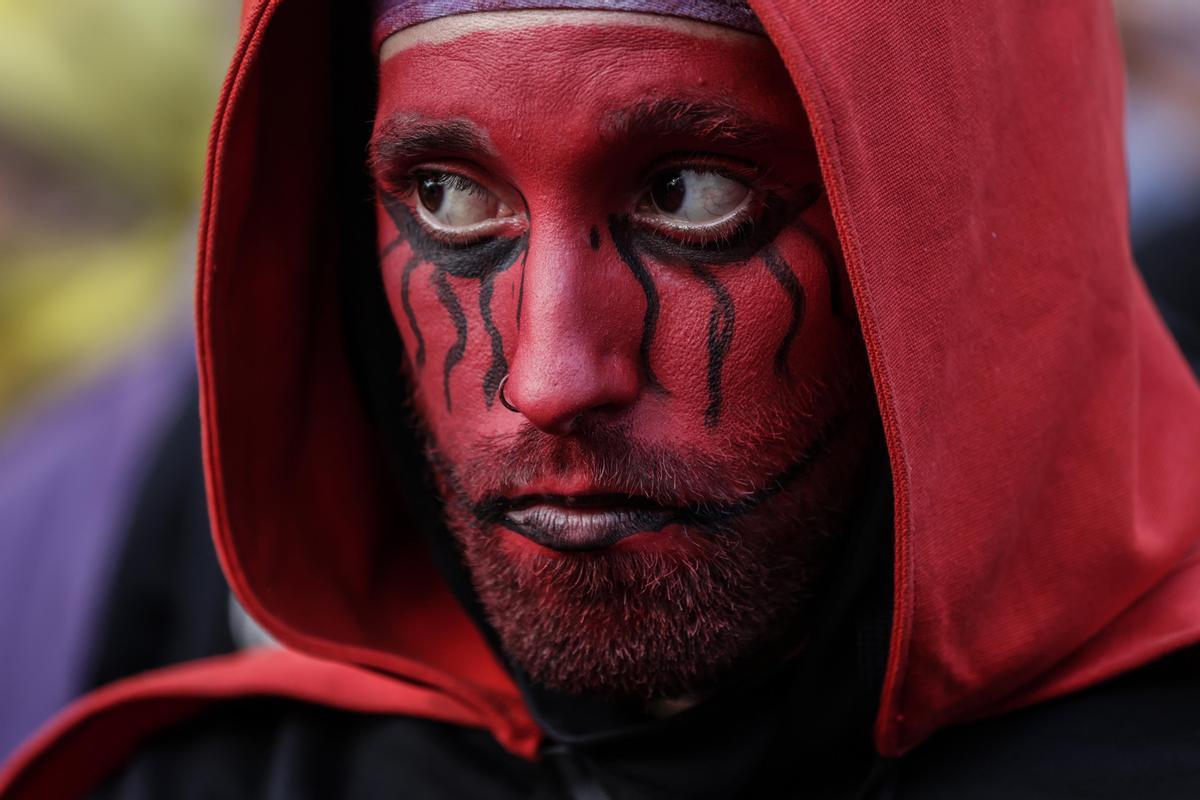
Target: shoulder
272,748
1135,736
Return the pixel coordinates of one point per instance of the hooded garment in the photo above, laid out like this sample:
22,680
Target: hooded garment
1042,429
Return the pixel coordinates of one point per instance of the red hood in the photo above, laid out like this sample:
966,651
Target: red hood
1043,429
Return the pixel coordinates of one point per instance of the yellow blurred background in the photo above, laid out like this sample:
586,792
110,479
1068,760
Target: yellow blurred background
104,114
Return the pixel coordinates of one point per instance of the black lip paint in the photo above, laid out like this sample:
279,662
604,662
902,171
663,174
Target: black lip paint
594,238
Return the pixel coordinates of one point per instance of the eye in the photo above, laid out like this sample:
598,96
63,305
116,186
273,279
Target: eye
693,199
450,203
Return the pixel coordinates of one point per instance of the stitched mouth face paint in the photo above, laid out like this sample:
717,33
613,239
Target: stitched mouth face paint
626,218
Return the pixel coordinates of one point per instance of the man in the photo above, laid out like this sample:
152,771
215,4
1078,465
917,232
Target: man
563,478
644,395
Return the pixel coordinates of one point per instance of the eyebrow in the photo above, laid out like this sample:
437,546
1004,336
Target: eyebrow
696,119
406,136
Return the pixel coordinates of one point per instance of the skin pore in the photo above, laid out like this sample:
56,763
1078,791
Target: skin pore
623,214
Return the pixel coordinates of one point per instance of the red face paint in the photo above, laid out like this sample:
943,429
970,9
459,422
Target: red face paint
628,223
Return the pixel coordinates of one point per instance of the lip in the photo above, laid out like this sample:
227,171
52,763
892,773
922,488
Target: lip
568,511
580,523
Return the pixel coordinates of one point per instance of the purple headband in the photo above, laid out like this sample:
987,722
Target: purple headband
391,16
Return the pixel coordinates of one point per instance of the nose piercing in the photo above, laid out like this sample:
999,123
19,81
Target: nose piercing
504,400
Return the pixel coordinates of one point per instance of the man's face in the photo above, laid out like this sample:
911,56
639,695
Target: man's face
615,224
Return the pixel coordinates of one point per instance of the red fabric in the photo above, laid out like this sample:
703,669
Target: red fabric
307,537
97,734
1043,429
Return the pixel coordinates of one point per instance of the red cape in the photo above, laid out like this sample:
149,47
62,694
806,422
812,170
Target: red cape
1042,427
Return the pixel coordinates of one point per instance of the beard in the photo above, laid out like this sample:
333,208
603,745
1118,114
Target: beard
660,622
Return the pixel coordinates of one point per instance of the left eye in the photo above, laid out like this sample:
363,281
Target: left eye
692,198
452,203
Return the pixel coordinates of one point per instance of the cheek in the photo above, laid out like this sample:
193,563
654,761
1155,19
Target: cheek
806,270
457,335
742,344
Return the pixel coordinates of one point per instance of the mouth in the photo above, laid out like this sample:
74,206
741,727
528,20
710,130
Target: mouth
588,520
576,523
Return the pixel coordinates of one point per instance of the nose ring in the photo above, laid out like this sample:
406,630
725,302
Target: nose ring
504,400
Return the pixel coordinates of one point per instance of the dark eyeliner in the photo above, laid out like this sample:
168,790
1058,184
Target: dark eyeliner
741,244
406,190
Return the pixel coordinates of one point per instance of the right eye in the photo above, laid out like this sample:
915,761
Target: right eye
453,204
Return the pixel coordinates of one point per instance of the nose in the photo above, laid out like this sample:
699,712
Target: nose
577,341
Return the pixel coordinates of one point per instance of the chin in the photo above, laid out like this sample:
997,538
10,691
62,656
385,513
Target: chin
659,615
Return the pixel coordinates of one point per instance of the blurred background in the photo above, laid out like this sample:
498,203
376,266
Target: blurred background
105,107
1162,141
104,112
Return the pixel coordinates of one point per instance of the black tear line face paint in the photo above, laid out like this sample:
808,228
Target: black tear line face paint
638,247
482,261
490,257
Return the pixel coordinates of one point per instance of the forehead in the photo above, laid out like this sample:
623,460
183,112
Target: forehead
558,72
